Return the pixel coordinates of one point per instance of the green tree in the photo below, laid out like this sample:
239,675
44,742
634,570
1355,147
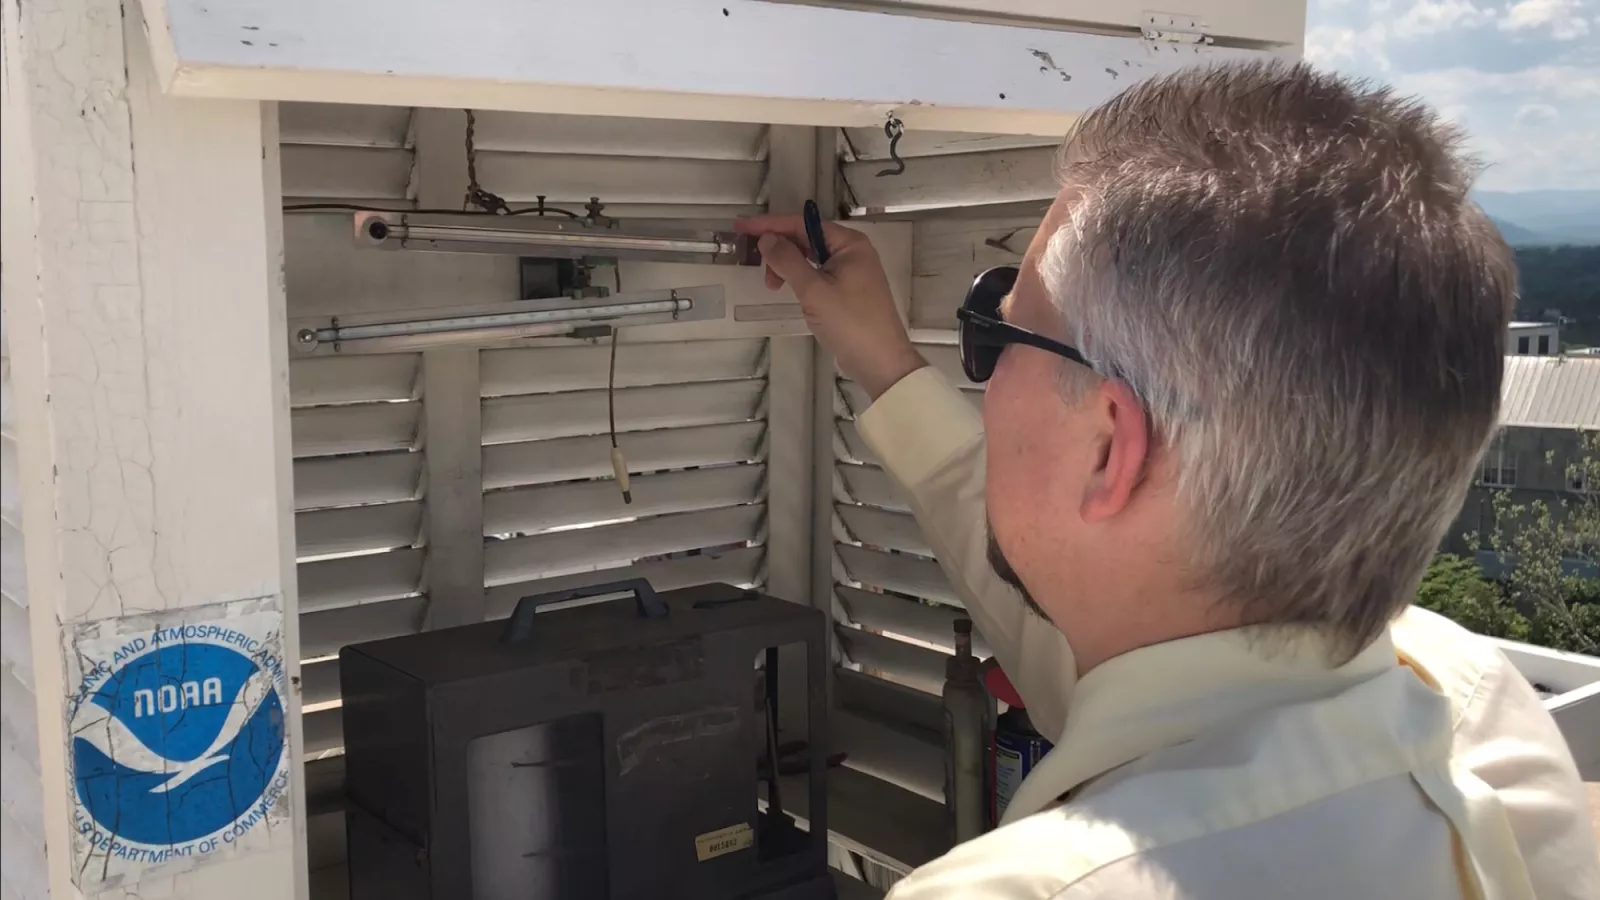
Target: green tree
1551,596
1565,279
1549,546
1456,589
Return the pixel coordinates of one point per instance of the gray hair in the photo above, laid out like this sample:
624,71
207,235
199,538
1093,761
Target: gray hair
1285,268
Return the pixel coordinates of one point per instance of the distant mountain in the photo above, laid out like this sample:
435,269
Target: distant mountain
1544,217
1517,236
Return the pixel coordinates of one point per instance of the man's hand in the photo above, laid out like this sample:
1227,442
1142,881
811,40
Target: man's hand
847,303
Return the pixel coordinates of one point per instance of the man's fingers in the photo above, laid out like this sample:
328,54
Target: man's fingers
789,226
793,227
784,260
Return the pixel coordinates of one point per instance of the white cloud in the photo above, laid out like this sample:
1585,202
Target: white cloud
1435,16
1333,45
1521,77
1532,127
1463,85
1517,163
1561,19
1535,114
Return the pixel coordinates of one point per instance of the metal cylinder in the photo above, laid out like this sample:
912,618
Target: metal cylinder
966,715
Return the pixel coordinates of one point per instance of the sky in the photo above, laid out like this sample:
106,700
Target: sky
1522,76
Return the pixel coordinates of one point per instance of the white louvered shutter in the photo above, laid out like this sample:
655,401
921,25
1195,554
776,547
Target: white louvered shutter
358,496
333,153
22,828
691,415
355,421
690,418
895,609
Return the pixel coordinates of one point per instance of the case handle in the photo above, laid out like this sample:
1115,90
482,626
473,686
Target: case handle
520,626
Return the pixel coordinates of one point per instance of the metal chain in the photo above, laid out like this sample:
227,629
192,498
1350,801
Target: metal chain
472,155
476,195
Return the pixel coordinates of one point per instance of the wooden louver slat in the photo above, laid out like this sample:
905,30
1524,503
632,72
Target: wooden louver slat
540,417
604,546
588,456
544,507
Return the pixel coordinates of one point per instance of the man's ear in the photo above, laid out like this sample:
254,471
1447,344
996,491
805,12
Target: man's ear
1123,450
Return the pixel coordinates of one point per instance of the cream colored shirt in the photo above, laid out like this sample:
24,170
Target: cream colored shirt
1206,769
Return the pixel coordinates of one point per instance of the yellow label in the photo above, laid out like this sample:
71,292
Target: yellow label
723,841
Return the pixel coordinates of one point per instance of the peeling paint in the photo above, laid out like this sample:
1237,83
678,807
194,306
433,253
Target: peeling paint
1049,64
88,240
138,496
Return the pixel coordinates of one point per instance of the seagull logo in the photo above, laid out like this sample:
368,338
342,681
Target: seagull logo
177,744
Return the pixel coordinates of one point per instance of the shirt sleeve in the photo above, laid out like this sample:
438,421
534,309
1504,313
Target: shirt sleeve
931,442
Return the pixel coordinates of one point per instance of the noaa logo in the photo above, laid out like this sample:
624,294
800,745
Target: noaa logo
178,743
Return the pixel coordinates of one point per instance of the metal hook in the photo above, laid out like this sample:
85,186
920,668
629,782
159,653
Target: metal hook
894,130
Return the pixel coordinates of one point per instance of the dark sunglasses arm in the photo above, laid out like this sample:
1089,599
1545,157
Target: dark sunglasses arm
995,333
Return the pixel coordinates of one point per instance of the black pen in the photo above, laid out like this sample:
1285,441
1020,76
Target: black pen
819,244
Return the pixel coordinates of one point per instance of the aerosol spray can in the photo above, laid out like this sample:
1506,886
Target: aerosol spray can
966,716
1014,746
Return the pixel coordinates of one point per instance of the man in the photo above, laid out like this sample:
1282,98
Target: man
1236,394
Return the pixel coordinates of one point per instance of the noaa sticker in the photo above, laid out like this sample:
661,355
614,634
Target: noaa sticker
177,738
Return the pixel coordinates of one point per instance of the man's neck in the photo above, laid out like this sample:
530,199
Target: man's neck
1123,621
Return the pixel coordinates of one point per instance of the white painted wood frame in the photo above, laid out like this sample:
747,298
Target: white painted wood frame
145,318
1252,20
452,407
721,60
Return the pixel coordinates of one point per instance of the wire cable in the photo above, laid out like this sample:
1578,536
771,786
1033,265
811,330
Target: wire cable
619,464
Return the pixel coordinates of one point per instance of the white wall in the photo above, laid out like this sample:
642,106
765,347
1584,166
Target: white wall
148,387
1532,332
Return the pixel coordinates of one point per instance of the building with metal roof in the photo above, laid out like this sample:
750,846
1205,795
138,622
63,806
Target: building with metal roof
1534,338
1540,455
1550,392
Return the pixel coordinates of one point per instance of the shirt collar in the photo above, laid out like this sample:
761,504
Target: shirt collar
1168,693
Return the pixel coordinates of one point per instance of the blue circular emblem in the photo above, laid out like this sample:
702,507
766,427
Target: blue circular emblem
178,744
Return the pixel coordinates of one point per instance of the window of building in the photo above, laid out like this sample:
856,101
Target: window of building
1544,345
1499,465
1577,480
1522,346
1486,524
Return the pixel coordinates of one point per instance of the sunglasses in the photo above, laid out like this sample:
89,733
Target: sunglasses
983,335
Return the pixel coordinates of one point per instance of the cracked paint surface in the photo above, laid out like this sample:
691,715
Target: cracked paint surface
152,297
89,280
139,285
